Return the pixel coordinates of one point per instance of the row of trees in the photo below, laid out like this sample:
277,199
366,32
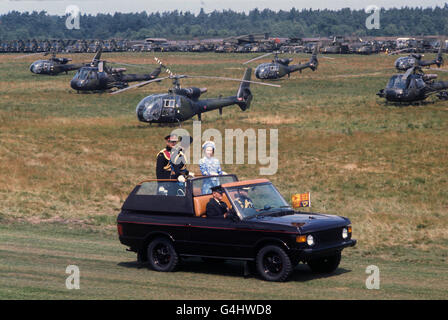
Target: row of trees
186,25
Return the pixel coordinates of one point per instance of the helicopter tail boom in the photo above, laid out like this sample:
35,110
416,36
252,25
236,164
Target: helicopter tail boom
244,95
439,59
312,63
439,85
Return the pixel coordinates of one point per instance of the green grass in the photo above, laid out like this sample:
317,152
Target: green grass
69,159
34,259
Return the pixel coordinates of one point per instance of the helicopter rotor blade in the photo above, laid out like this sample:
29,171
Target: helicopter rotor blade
140,84
167,70
260,57
408,73
233,79
124,64
320,55
30,54
434,69
143,66
398,51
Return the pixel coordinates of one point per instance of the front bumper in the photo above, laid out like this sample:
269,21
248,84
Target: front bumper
321,251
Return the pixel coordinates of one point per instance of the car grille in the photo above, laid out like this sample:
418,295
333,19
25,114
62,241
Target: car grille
328,236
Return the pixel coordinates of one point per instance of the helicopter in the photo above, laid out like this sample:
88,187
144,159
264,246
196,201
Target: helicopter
338,45
413,86
53,66
99,77
279,68
181,104
414,59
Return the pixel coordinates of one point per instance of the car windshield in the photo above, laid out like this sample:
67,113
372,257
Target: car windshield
202,185
396,82
257,199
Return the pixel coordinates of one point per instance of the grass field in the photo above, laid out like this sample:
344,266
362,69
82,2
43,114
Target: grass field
70,159
34,259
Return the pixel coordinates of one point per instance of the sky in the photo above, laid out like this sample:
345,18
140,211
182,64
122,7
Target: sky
110,6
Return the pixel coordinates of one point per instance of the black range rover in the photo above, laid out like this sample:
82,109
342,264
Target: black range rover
164,220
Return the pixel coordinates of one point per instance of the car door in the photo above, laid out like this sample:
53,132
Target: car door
222,237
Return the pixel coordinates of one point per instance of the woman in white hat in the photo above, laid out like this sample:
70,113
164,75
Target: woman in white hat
209,166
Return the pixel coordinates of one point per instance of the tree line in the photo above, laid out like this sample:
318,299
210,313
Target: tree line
186,25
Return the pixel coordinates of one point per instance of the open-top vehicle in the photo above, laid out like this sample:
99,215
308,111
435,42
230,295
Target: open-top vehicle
163,220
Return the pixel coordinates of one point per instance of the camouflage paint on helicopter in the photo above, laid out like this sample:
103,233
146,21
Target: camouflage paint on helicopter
99,77
413,86
181,104
279,68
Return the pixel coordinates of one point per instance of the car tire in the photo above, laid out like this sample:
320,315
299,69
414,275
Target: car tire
273,264
162,256
325,264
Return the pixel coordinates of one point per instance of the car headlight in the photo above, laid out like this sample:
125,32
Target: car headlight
344,233
310,240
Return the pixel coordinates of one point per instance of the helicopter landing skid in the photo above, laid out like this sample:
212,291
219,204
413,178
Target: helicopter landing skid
409,104
442,95
171,124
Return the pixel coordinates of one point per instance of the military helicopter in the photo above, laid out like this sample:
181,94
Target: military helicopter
338,46
98,76
415,60
279,68
52,66
181,104
413,86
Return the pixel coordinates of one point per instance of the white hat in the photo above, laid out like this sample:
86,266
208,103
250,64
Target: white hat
208,144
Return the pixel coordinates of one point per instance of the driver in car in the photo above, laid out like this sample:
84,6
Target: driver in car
216,208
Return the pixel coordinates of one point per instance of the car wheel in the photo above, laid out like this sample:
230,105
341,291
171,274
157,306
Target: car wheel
162,256
273,264
325,264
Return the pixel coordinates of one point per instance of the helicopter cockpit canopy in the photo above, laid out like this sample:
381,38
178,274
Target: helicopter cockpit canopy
397,82
405,63
266,70
150,108
40,66
86,73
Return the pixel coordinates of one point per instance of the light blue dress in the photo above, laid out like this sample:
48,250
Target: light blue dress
210,167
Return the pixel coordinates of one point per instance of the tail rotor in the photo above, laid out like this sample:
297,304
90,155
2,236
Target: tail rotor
439,60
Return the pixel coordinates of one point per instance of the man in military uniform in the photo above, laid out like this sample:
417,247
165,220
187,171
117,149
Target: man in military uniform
178,163
216,208
163,167
243,200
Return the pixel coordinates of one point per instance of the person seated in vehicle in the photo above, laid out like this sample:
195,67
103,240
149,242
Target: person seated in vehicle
216,208
242,199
